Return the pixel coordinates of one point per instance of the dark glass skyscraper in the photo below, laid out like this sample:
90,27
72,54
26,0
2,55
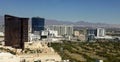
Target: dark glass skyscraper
16,31
38,24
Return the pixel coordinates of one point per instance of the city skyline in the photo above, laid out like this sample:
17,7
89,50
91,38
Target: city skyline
103,11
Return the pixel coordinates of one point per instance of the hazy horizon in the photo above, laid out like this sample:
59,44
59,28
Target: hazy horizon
83,21
94,11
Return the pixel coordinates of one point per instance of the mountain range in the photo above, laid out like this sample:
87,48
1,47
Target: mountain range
78,23
81,24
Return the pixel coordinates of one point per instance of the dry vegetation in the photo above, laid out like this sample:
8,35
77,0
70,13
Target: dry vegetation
88,52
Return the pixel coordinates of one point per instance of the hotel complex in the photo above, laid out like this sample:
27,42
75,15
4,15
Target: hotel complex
62,29
16,31
35,45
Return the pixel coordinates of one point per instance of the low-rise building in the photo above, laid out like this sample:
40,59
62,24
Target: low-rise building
33,37
76,33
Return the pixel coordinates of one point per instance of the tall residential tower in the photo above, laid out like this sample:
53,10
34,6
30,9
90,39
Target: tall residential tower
62,29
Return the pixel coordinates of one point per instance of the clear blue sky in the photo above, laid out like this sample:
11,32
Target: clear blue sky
104,11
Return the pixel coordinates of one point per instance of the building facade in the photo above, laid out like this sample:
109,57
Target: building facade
91,32
62,29
16,31
100,32
95,33
38,24
76,33
53,33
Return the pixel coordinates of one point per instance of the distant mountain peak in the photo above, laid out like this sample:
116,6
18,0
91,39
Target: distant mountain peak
78,23
81,24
